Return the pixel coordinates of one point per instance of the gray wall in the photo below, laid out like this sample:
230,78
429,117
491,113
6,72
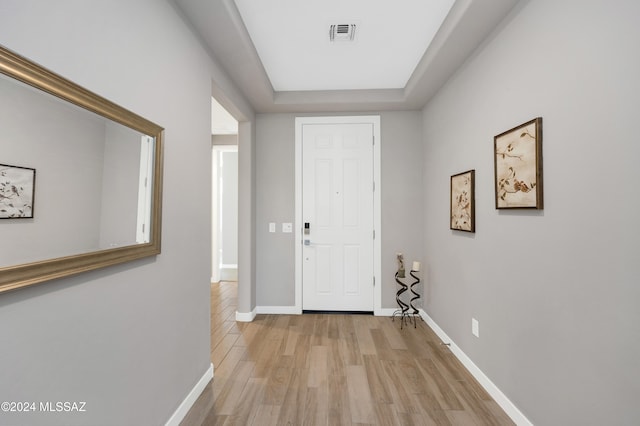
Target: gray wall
556,292
224,139
246,218
402,214
120,185
130,340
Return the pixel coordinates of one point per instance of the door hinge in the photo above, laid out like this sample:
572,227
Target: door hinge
374,281
374,234
374,186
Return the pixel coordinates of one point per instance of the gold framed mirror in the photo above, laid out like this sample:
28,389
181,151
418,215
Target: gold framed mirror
97,200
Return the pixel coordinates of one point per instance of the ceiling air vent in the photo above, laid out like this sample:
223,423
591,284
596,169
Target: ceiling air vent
342,32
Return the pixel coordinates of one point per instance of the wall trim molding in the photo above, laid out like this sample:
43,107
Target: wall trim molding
278,310
294,310
385,312
191,398
512,411
228,273
246,316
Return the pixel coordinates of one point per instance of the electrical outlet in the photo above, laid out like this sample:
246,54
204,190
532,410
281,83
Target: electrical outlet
475,327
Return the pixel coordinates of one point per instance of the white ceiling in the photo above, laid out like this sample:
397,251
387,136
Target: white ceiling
276,51
292,41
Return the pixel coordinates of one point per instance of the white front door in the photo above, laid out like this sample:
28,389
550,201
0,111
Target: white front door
338,217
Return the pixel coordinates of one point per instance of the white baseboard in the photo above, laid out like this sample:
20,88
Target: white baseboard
294,310
278,310
384,312
246,316
191,398
229,273
512,411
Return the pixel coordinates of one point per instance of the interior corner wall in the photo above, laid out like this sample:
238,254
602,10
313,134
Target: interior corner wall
247,189
402,214
120,186
130,340
555,291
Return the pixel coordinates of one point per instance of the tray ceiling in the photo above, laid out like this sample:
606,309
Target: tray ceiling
279,54
383,43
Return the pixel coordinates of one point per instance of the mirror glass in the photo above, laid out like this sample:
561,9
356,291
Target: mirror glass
80,178
91,178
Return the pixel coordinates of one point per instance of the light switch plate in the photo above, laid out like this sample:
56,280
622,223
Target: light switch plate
287,227
272,227
475,327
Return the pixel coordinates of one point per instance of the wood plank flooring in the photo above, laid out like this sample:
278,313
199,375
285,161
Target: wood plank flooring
329,369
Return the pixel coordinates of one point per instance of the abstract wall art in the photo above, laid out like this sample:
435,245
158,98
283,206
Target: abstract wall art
463,210
518,167
17,188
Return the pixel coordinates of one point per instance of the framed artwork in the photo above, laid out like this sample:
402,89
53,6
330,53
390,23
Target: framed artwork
17,189
518,167
463,204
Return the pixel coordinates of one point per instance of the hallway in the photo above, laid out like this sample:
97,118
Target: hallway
333,370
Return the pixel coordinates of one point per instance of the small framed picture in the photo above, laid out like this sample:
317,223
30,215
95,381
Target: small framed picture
518,167
463,204
17,190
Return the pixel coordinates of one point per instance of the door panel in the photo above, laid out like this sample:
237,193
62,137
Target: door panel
322,203
337,202
352,285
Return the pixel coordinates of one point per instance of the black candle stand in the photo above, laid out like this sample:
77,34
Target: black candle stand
404,313
415,295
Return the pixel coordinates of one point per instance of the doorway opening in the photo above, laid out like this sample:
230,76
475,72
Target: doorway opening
224,232
224,152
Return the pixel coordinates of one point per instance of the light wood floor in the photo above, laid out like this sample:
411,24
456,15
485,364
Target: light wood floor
333,370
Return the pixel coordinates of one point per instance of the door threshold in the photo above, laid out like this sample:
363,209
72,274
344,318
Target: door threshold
307,311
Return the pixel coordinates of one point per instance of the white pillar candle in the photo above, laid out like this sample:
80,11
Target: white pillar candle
416,266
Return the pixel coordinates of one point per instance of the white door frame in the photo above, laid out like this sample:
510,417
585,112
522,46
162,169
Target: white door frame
377,246
216,151
143,229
